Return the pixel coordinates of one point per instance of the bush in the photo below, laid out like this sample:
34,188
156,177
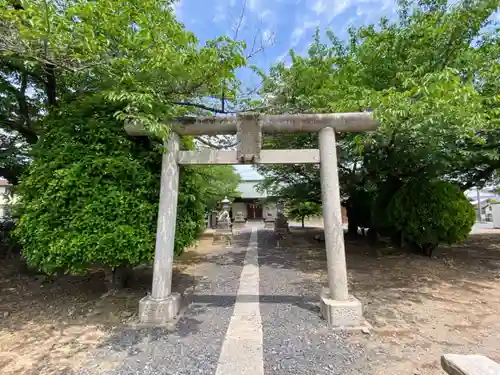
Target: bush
8,243
380,206
431,212
90,196
359,207
190,209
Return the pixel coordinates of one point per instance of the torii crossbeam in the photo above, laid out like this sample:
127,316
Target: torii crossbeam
337,306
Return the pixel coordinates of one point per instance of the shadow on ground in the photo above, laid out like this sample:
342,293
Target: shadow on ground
48,326
447,303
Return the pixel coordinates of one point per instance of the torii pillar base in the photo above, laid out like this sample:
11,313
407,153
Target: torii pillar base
159,312
341,314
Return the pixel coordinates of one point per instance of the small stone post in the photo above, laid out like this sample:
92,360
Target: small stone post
163,305
281,224
280,206
336,306
270,219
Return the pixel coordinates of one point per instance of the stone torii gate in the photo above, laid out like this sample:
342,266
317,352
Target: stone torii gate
337,306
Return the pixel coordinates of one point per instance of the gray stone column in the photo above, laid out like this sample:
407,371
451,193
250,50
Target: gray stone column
332,216
162,306
337,307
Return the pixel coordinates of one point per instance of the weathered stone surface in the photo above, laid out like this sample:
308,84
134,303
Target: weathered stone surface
332,216
249,128
249,139
272,124
225,157
223,236
224,231
221,233
269,223
158,312
281,224
456,364
239,218
167,214
341,314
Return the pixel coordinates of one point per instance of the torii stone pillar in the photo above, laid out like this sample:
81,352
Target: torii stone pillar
162,305
338,307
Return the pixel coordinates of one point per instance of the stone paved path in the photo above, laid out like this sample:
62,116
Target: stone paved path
253,312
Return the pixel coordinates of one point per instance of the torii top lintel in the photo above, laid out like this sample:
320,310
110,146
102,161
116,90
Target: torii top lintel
290,123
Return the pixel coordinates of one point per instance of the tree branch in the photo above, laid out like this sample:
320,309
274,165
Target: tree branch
213,145
23,127
240,20
201,106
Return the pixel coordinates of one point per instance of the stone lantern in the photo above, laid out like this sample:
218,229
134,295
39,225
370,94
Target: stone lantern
280,206
281,224
226,205
224,229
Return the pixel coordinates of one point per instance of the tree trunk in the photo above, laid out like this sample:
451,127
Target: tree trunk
429,249
303,218
119,278
50,85
352,224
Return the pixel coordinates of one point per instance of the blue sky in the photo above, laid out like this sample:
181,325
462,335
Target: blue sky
279,25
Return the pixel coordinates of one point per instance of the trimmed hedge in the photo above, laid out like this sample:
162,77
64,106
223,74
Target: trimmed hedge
431,212
90,196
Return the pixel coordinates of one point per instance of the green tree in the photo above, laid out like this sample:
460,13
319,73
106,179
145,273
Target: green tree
436,102
91,193
221,181
135,53
431,212
302,210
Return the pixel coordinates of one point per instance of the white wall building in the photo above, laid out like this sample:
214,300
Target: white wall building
251,202
495,212
487,197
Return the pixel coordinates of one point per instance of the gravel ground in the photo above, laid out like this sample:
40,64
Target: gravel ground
190,346
296,339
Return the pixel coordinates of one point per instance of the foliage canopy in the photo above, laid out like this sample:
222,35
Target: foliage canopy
430,213
432,79
302,210
91,193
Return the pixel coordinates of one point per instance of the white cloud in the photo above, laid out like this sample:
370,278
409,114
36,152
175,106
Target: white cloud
337,9
220,12
327,10
300,31
296,35
331,9
253,5
282,57
266,14
178,8
319,6
267,34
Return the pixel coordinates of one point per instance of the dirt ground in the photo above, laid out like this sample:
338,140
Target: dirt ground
419,308
50,327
